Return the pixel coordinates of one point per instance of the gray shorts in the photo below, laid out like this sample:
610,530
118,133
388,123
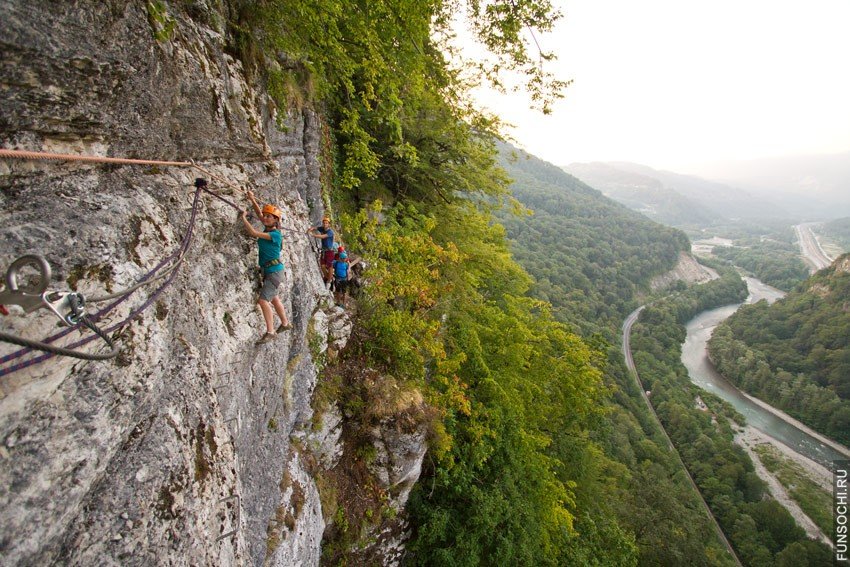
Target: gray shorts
270,284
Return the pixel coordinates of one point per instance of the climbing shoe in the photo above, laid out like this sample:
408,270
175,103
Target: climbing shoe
283,327
267,338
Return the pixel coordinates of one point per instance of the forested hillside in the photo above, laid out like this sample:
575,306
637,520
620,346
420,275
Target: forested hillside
592,258
589,255
795,354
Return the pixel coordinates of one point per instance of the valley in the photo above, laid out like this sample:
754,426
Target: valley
710,436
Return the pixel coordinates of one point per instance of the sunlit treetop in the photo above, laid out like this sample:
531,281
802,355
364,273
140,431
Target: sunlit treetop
510,57
382,68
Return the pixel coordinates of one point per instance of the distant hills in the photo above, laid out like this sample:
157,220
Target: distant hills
674,199
814,184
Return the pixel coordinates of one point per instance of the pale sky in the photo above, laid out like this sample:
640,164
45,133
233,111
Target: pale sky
673,83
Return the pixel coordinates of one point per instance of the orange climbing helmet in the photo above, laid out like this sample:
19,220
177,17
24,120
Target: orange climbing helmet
272,210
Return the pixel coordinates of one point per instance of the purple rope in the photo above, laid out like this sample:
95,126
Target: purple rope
81,342
184,245
220,198
96,317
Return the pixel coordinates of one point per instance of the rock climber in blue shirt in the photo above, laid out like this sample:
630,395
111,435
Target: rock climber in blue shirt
269,244
326,234
340,267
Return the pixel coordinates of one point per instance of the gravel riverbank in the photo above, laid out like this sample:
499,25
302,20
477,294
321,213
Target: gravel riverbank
748,438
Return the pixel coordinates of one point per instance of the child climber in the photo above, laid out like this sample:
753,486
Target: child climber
341,266
269,244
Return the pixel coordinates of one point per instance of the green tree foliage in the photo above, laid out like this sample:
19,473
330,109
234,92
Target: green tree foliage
804,554
377,67
774,262
795,354
502,28
589,255
452,313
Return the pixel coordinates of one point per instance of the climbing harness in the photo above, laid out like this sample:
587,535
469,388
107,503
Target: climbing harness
272,263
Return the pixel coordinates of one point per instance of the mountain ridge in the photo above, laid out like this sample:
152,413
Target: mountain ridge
673,198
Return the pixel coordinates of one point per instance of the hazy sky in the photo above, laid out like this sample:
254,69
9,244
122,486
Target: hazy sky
669,83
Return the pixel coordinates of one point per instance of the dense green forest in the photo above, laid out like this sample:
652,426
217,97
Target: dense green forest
795,354
590,256
760,529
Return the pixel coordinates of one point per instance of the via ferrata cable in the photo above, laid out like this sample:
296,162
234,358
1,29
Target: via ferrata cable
117,298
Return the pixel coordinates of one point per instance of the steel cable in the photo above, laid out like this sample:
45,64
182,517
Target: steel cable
97,316
177,257
62,351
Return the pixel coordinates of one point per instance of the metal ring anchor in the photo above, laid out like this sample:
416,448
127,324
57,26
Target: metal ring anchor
44,273
33,295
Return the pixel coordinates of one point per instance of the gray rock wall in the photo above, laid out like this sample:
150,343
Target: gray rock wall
180,450
688,270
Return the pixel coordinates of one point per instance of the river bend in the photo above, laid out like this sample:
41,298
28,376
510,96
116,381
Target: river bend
703,374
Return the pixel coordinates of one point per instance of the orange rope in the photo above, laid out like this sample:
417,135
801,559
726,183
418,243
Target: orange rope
22,154
214,176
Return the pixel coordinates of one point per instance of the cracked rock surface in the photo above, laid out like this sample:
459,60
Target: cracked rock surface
176,451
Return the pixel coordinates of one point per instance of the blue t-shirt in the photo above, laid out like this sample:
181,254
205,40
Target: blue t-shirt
270,250
341,269
328,240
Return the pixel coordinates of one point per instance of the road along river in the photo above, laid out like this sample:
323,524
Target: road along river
810,248
770,421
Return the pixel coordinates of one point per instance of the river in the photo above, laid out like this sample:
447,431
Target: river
703,374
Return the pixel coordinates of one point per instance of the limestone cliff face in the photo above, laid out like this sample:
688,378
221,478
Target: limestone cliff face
687,269
194,446
842,264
